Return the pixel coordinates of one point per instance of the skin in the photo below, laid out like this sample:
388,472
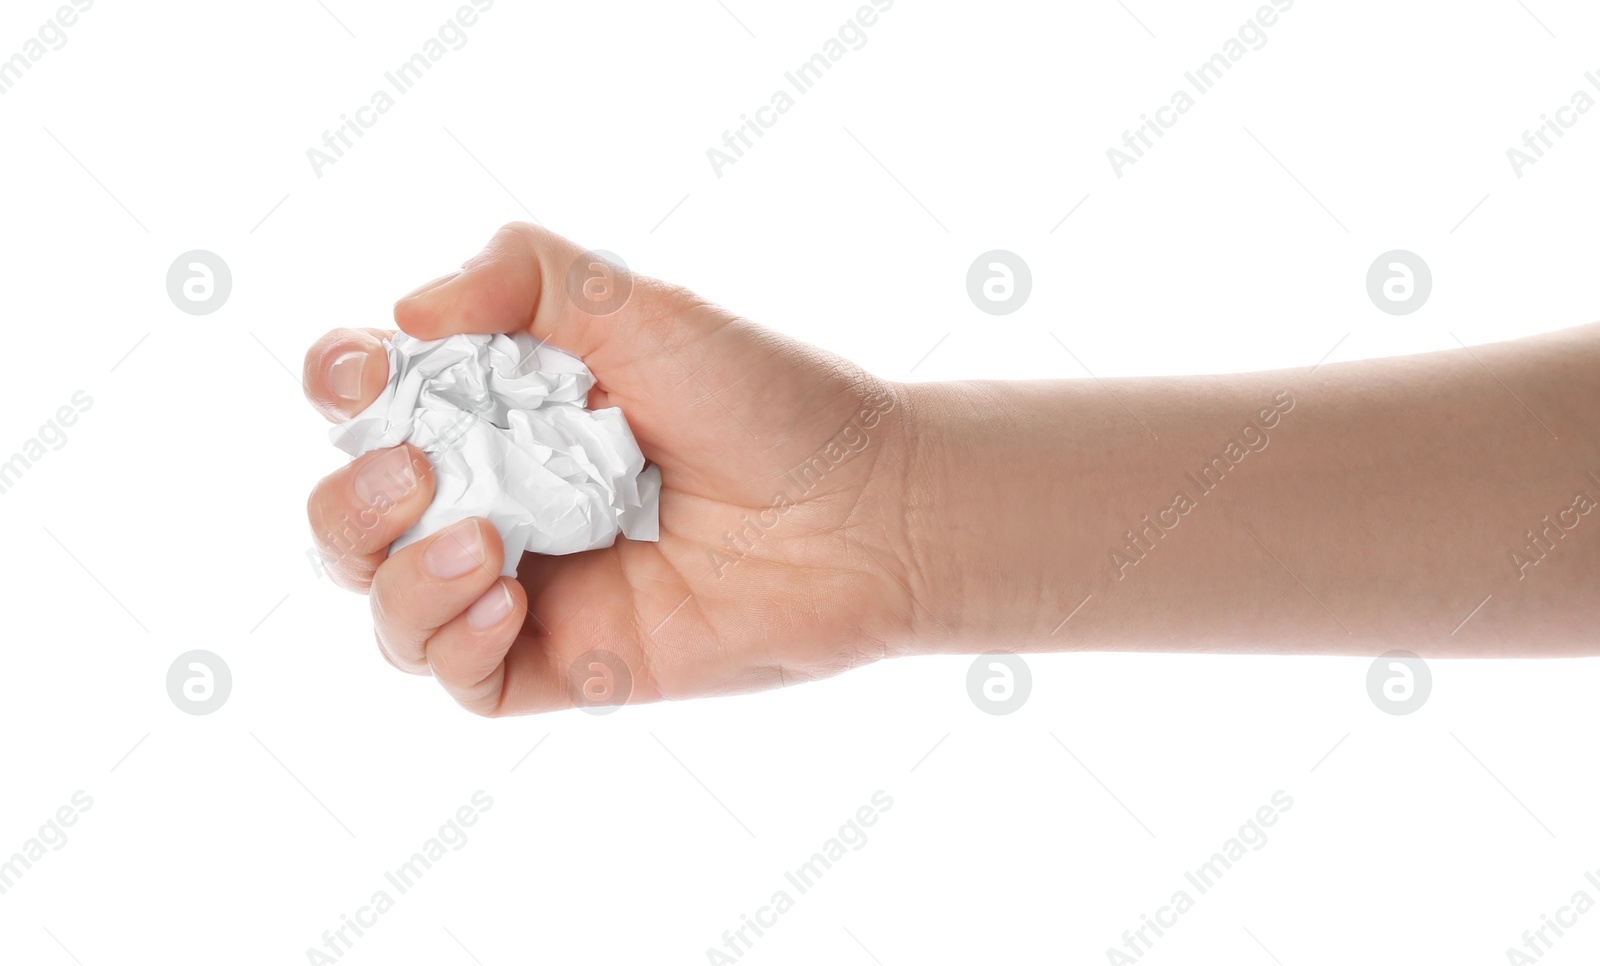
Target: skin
815,518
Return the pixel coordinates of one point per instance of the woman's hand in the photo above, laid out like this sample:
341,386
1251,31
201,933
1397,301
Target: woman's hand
784,481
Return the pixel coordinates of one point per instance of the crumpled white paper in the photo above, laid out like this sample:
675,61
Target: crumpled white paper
503,420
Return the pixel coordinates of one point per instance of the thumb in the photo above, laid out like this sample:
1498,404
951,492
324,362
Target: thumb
526,279
643,340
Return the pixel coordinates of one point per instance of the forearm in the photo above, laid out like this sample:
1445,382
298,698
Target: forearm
1378,512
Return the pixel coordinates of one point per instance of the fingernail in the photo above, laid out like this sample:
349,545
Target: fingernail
492,607
429,286
344,376
387,480
455,551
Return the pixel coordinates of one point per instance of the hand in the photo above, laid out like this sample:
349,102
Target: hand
782,556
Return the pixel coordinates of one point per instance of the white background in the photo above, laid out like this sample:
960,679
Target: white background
173,518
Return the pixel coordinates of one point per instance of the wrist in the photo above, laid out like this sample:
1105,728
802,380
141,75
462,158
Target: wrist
997,481
959,538
927,538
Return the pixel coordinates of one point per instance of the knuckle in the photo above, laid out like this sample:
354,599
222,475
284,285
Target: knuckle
477,694
383,612
317,517
419,669
349,575
337,536
523,229
410,315
483,708
344,525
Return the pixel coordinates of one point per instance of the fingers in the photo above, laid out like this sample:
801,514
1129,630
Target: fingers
359,509
472,655
440,607
345,371
491,662
428,584
524,280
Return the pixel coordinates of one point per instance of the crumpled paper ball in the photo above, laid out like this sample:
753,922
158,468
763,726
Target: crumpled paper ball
503,420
